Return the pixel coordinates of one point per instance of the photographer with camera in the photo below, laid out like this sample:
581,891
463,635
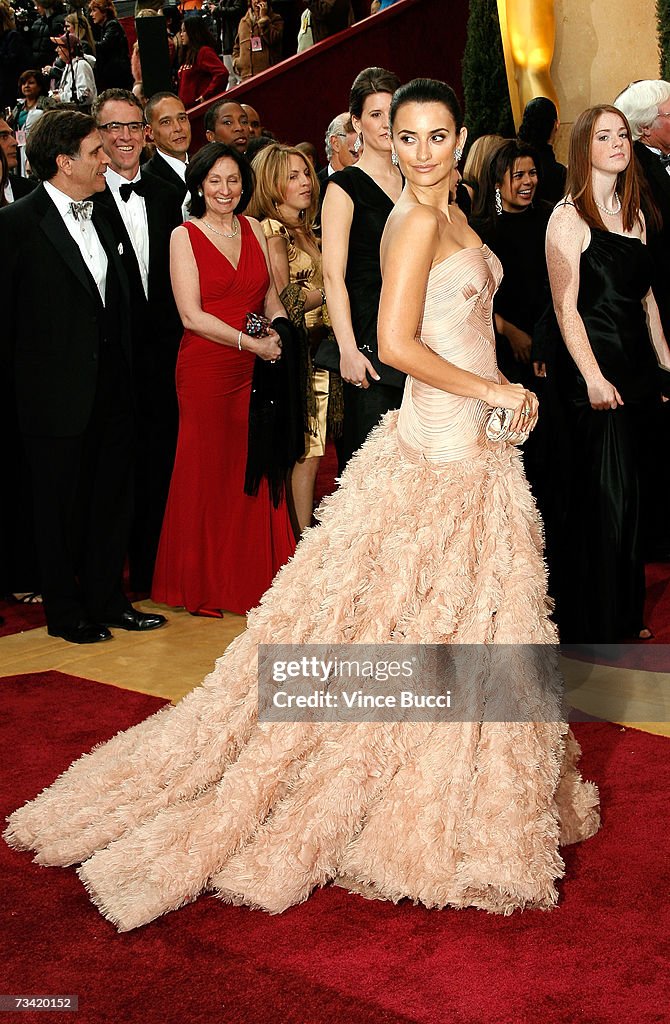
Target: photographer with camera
77,83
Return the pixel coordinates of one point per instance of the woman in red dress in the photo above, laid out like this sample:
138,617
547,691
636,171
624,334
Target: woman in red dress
219,547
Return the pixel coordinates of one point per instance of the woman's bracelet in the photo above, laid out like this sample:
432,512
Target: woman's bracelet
239,341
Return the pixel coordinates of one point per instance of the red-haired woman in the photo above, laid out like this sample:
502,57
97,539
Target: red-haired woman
606,378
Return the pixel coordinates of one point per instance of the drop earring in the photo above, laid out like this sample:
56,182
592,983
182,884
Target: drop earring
499,205
200,193
394,158
458,153
358,143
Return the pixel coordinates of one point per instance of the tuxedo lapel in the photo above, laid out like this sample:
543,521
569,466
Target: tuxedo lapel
109,244
54,228
657,175
112,231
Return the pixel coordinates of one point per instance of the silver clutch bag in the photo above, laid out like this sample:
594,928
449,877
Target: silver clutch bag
498,427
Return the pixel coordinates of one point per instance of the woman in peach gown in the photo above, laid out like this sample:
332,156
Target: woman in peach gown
432,537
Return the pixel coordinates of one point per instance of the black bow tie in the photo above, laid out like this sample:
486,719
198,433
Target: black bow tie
664,158
125,191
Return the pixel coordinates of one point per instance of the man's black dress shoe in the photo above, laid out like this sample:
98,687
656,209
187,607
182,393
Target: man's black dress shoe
82,633
137,621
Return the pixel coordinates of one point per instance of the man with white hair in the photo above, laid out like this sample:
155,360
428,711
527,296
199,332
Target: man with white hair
646,104
340,150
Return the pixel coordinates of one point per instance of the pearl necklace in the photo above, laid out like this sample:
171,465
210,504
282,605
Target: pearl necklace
223,234
610,213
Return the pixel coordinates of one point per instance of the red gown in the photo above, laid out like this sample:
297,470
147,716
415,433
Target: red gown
219,548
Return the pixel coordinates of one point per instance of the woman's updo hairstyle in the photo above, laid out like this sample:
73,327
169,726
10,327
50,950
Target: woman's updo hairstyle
427,90
367,83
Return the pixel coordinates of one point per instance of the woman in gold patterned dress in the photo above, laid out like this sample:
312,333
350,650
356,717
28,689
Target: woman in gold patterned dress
285,201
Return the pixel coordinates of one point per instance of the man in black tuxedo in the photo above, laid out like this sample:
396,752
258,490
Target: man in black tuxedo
143,211
170,129
646,104
69,348
16,186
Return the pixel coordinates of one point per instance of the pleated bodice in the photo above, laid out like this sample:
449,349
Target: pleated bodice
433,425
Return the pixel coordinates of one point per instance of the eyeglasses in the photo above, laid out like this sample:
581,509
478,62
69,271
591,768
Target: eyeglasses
116,127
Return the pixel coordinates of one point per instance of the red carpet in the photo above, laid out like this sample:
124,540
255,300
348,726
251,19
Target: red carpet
19,617
338,959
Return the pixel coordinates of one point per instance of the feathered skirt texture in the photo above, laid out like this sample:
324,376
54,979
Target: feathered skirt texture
201,797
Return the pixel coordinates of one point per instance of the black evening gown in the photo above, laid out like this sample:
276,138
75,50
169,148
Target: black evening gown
518,240
596,550
364,407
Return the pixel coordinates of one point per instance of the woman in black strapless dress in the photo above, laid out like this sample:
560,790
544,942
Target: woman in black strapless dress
357,205
606,381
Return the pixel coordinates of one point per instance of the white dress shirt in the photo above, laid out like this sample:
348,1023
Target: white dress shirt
179,166
134,216
9,191
85,236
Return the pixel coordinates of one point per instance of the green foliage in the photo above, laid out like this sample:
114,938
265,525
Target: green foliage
663,19
487,106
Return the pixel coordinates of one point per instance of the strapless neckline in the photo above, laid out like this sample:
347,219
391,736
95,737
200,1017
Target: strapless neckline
466,248
434,425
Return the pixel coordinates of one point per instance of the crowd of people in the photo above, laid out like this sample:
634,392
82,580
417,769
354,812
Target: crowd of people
431,538
211,46
296,285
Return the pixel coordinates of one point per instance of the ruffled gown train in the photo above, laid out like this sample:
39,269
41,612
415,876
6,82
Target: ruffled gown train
413,548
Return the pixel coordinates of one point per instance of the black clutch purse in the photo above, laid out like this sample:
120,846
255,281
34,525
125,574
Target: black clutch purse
327,354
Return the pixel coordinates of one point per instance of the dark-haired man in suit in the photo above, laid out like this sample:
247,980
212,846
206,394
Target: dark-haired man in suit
69,349
143,211
170,130
16,187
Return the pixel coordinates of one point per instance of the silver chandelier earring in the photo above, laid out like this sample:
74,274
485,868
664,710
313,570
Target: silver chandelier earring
358,143
458,153
499,206
394,158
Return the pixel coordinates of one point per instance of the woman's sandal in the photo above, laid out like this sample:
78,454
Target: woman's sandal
208,613
32,597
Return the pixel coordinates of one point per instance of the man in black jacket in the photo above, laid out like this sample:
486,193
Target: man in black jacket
143,211
68,343
329,17
50,21
170,129
16,187
646,104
